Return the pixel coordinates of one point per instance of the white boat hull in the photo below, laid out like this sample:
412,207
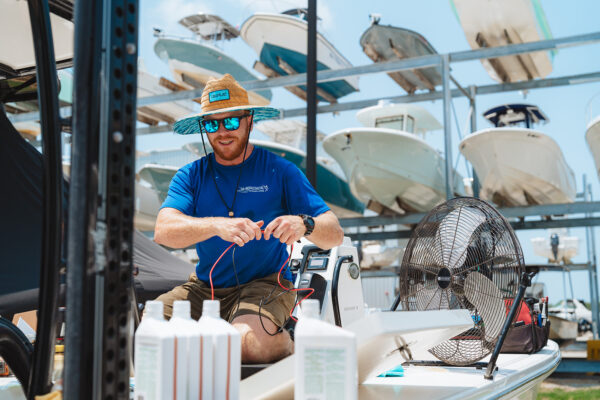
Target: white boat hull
491,23
193,63
148,85
519,376
288,33
518,167
592,137
395,168
561,328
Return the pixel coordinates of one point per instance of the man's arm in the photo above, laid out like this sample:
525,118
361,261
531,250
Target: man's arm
289,228
177,230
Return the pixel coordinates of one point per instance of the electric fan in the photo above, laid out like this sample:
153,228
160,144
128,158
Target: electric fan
463,255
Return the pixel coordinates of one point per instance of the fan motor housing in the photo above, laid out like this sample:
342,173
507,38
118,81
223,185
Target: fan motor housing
444,278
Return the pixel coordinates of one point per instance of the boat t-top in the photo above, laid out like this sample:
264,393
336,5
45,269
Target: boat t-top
194,61
280,41
388,163
515,164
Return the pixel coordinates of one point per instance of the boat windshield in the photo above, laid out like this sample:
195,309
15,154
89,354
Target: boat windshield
400,122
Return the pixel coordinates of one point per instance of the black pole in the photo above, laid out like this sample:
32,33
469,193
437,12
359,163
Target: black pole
311,95
83,194
43,355
525,283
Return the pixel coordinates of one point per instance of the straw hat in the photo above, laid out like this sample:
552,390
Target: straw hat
220,96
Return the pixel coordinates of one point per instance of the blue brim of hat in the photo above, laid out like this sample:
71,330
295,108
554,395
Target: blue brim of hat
190,125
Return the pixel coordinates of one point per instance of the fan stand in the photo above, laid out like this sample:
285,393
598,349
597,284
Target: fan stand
525,283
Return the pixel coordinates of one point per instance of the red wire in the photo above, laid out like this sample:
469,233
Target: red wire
212,290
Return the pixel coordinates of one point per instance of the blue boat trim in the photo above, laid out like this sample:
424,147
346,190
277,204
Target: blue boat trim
297,61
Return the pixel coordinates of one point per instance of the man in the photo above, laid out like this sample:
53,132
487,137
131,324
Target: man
230,196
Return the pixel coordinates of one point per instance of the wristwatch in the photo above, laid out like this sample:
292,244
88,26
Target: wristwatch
309,223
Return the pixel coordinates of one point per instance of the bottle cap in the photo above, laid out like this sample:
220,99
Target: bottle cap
311,308
154,309
211,308
181,309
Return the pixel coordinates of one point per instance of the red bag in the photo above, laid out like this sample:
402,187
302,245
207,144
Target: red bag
523,314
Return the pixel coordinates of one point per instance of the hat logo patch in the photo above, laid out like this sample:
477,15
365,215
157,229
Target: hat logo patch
218,95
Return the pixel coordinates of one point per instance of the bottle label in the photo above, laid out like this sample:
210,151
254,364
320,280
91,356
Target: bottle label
324,373
147,370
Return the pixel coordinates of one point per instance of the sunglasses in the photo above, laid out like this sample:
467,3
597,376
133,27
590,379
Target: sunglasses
229,123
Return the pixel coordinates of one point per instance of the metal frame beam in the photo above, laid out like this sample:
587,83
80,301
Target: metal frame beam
40,379
413,98
508,212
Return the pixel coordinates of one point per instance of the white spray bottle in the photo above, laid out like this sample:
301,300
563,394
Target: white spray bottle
154,356
226,352
188,347
325,358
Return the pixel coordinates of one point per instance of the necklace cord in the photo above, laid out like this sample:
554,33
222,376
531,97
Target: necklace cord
212,169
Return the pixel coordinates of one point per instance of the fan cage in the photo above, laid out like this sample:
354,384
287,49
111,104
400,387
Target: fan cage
463,255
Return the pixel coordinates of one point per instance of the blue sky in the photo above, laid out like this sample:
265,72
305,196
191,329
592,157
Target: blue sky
342,23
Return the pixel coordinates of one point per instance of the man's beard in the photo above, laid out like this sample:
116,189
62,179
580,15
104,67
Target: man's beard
238,149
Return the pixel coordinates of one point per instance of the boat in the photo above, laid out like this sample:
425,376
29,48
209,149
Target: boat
386,43
388,163
377,254
592,132
280,41
491,23
151,85
558,247
331,186
562,328
193,61
573,310
515,164
592,137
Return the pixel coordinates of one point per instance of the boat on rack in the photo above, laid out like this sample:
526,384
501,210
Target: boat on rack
592,133
490,23
386,43
193,61
280,41
388,163
558,247
515,164
150,85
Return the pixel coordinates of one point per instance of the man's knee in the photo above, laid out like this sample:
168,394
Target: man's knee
260,345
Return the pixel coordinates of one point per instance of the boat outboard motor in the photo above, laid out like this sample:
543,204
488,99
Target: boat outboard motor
554,241
335,276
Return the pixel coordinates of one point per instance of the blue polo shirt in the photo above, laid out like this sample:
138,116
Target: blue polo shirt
270,186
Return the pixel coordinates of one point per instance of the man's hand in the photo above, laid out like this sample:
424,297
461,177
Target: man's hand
287,228
239,230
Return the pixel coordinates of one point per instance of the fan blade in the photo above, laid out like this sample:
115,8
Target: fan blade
431,299
455,232
487,299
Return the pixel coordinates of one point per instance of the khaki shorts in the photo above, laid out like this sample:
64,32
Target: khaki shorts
262,297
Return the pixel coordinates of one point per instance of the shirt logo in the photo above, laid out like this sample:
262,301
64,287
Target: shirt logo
254,189
218,95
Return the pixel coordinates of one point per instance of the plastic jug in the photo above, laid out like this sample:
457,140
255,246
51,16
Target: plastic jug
226,352
188,382
325,358
154,356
